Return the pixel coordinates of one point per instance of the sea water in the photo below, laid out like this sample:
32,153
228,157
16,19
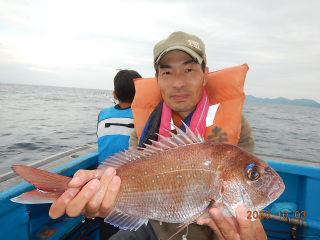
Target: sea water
39,121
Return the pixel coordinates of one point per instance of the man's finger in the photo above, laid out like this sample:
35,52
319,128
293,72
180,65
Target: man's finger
246,229
220,226
77,205
259,230
93,205
227,231
58,208
80,178
110,197
209,222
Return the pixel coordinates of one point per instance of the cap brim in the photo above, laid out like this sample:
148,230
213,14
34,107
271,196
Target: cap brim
189,51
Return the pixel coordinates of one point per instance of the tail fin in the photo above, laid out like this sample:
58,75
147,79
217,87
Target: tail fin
49,185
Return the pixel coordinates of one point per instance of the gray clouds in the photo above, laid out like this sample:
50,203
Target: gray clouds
82,44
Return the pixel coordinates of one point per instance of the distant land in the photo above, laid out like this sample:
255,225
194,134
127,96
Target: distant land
281,100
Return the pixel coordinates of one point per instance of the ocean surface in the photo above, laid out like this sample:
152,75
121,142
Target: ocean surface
37,122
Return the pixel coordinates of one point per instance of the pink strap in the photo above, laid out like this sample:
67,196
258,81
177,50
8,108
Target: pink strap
198,119
166,116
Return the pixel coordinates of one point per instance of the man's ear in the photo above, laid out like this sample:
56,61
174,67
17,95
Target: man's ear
205,76
114,95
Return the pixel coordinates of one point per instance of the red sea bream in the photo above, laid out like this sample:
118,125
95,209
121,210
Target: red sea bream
174,180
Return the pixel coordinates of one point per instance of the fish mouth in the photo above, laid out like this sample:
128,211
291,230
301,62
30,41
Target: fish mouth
277,192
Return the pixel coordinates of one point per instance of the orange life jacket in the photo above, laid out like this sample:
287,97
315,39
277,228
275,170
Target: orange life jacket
223,86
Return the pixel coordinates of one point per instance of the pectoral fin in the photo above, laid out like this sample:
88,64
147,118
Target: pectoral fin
244,199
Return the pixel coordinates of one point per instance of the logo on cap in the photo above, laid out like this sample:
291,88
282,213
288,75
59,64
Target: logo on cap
194,44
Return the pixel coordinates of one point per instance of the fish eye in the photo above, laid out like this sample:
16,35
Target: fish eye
253,174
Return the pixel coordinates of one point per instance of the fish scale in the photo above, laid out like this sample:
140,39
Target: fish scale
176,180
179,187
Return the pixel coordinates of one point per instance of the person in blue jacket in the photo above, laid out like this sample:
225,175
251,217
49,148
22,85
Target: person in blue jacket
116,123
114,127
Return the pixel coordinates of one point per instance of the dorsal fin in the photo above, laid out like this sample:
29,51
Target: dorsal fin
148,150
158,144
153,148
183,135
193,137
200,137
136,155
169,140
165,143
176,138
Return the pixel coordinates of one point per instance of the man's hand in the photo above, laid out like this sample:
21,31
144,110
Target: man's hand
239,228
94,199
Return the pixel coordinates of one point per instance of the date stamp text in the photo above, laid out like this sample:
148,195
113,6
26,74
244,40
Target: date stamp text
266,214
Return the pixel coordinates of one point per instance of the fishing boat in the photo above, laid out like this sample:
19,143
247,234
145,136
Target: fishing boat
31,221
294,215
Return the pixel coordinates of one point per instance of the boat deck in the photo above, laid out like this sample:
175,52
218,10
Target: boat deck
301,177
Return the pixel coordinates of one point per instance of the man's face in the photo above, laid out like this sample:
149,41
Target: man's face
180,80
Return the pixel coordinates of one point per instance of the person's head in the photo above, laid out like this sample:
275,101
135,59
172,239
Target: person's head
181,72
124,89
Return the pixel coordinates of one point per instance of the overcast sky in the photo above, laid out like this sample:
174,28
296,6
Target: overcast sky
83,43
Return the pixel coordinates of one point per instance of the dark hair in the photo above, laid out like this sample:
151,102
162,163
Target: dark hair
124,86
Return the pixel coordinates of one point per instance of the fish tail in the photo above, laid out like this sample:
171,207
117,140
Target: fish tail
36,196
49,185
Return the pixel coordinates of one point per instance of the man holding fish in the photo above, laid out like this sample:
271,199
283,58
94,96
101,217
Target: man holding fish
181,73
